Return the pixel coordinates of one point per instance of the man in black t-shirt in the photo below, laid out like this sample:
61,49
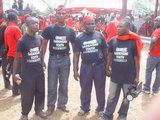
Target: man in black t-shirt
123,68
93,49
32,78
59,35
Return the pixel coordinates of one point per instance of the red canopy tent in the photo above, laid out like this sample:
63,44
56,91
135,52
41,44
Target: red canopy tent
95,9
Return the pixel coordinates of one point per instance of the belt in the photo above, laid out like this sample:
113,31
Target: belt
92,64
59,55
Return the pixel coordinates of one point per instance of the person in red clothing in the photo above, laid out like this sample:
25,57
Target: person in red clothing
111,30
70,21
147,27
11,35
153,60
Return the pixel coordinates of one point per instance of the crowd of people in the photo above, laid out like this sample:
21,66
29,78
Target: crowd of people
115,53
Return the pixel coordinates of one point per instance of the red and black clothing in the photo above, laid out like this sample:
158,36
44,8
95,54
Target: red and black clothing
156,50
11,35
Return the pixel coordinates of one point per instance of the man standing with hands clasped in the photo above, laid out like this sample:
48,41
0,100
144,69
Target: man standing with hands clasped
123,66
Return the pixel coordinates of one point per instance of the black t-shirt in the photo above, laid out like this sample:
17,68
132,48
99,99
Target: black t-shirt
59,38
123,65
30,49
90,45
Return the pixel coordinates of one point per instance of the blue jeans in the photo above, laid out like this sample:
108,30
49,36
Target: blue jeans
114,93
58,72
153,62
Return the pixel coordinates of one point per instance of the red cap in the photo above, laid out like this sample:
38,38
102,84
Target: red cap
26,15
87,18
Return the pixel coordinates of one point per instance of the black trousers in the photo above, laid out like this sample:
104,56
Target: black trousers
4,73
15,87
32,87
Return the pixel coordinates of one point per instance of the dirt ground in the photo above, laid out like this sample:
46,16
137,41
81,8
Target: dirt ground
10,107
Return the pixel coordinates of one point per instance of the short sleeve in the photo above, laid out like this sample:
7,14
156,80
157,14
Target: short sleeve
73,36
18,34
77,45
110,45
46,33
104,44
20,46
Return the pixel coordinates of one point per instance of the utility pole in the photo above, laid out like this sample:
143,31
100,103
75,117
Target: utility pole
156,8
124,7
1,9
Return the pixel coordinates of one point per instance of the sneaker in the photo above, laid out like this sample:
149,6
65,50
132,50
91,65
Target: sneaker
41,114
64,109
104,117
49,111
146,91
122,117
82,112
24,117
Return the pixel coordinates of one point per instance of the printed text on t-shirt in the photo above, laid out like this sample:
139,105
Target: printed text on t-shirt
60,43
33,55
120,54
90,46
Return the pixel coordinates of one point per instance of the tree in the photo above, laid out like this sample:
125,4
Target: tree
51,5
143,7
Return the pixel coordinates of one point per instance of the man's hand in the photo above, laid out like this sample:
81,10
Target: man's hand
17,79
44,66
136,80
108,73
76,75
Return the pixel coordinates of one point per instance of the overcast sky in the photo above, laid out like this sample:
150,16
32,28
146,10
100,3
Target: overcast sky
75,3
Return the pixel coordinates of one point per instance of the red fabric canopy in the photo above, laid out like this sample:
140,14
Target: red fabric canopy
94,9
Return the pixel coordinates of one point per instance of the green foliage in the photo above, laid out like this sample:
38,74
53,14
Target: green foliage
143,7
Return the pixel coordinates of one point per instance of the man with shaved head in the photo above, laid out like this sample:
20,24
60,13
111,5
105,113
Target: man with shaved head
123,63
32,79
